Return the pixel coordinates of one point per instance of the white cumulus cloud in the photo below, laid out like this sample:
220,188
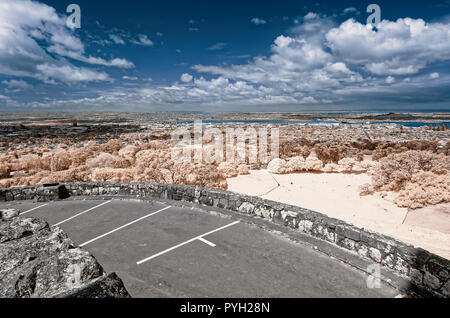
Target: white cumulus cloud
390,80
434,75
29,30
398,47
185,77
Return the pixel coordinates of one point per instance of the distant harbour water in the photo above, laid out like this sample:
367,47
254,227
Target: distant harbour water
318,122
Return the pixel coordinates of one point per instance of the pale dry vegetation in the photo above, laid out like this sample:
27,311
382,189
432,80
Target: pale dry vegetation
416,169
125,159
425,188
421,177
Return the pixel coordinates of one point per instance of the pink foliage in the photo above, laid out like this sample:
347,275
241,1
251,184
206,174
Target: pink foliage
60,161
103,160
395,170
425,188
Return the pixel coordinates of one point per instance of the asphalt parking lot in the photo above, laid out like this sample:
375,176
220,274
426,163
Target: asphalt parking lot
166,251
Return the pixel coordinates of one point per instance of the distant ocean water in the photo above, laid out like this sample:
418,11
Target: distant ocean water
282,121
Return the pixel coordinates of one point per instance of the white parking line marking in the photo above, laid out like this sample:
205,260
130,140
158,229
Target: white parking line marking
30,210
78,214
207,242
123,226
184,243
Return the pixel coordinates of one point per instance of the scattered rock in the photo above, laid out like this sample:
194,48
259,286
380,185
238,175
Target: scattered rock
446,289
37,260
8,214
107,286
18,228
246,207
431,281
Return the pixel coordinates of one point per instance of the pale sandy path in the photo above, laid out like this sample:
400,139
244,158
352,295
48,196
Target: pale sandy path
337,195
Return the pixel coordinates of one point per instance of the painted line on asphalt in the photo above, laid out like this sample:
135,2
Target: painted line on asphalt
78,214
30,210
185,242
207,242
123,226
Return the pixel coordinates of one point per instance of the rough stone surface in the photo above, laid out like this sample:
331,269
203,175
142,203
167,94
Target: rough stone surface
39,261
246,208
431,281
416,276
446,289
107,286
375,254
424,270
8,214
19,228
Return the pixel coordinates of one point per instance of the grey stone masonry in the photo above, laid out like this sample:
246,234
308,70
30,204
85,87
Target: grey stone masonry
428,274
39,261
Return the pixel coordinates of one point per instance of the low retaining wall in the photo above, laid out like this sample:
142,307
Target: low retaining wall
428,274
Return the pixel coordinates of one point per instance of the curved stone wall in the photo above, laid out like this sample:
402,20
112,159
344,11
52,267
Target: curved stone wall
428,274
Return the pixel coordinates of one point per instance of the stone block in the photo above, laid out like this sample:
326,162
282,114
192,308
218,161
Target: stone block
349,232
445,290
246,207
416,276
439,267
431,281
375,254
305,226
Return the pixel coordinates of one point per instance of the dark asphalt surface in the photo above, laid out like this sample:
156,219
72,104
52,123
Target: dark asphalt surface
246,260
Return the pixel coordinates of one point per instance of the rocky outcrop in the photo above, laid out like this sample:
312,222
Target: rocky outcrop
37,260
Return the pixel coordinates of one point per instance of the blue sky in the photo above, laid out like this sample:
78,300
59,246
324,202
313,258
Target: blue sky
224,56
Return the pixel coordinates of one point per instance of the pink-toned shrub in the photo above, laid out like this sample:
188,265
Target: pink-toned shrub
7,183
395,170
166,176
312,163
103,160
112,146
81,155
60,161
5,171
71,175
227,169
107,174
291,148
332,167
425,188
207,176
242,169
294,164
384,149
191,178
277,165
129,153
348,164
421,177
230,170
45,162
30,162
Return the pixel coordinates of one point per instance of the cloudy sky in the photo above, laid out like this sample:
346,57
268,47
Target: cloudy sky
245,55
